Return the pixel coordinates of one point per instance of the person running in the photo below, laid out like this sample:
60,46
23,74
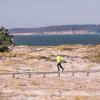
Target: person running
59,59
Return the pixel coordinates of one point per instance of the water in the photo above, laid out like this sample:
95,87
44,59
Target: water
52,40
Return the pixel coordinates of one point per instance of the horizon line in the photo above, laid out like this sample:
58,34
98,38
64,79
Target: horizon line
50,26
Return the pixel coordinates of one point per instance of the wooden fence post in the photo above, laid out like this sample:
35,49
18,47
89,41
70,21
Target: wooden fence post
73,74
87,73
44,75
13,75
29,75
59,74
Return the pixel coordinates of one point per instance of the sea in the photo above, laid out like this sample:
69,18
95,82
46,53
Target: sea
55,40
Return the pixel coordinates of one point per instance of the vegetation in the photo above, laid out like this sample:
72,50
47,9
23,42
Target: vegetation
5,39
65,47
93,55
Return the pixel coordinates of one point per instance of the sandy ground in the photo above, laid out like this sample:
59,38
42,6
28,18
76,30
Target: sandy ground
28,58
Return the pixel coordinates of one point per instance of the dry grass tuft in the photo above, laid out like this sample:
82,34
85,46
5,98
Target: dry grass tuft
80,98
42,57
65,47
7,54
63,98
33,82
93,55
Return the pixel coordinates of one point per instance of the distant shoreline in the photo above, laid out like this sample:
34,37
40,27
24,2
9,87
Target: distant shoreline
56,33
58,29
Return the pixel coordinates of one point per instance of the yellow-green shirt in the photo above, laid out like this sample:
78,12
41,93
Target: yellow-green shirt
59,59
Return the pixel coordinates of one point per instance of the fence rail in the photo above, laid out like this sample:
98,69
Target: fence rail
45,73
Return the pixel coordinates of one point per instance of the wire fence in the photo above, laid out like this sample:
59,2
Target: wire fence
13,74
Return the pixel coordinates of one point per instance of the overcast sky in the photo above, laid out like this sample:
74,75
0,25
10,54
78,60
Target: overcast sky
39,13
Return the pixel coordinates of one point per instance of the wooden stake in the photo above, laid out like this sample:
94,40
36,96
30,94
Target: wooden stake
59,74
73,74
13,75
44,75
29,75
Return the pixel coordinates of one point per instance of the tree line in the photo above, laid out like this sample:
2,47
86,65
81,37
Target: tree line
89,28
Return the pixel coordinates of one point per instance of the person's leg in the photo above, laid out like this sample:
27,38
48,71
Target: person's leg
61,66
58,67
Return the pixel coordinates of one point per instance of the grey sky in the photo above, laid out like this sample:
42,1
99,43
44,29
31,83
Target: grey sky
38,13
